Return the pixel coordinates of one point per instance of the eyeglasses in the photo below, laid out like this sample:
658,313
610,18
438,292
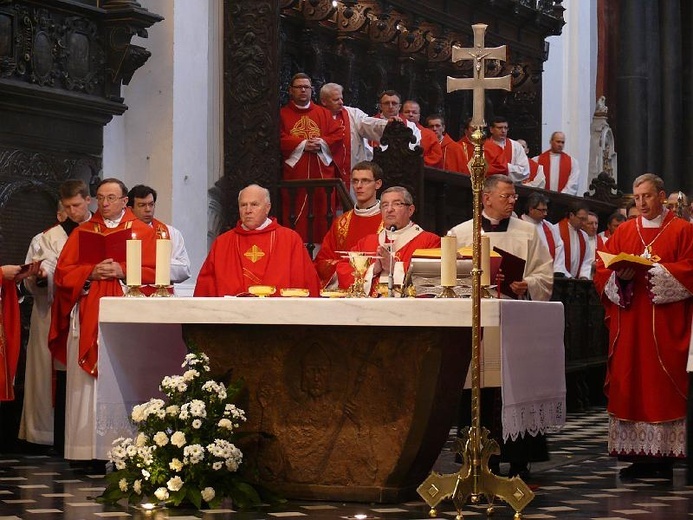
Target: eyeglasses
364,182
508,196
394,205
110,199
301,87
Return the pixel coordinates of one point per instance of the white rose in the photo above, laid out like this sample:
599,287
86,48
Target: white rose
175,483
178,439
161,493
208,494
175,465
225,423
161,439
123,485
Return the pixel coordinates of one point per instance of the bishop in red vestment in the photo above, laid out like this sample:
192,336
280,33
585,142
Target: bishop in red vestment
395,244
258,251
309,137
350,227
648,313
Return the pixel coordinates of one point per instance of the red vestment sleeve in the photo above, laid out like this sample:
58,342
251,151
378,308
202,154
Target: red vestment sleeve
10,341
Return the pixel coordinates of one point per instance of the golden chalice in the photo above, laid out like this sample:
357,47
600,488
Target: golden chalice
359,262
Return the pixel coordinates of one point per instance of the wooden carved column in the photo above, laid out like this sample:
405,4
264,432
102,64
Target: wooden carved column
251,106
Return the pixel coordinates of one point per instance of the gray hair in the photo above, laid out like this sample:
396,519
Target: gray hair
328,88
400,189
649,177
492,181
264,190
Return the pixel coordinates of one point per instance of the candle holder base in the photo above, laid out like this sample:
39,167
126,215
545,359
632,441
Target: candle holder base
161,292
448,292
133,291
486,292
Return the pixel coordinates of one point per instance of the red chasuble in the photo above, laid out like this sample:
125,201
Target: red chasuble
492,159
648,343
454,156
342,150
10,339
345,232
565,166
70,277
240,258
297,125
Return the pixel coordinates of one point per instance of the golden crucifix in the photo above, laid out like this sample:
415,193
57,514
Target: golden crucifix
474,478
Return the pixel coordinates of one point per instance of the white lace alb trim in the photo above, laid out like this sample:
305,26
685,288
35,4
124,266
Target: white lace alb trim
612,291
532,418
664,287
667,439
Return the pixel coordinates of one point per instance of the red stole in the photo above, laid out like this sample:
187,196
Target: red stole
533,170
549,238
565,235
564,168
160,229
10,339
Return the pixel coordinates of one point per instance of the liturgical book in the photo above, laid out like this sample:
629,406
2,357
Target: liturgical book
95,247
624,260
513,269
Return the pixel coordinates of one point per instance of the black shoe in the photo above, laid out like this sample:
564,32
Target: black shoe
647,470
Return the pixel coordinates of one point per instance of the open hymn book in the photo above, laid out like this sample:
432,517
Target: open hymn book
623,260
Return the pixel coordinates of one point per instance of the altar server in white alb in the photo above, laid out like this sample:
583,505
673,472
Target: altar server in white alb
142,201
36,424
512,235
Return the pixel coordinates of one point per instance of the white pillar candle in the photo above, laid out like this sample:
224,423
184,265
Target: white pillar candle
485,261
448,261
163,262
133,261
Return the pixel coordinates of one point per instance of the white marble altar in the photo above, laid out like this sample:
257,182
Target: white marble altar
140,342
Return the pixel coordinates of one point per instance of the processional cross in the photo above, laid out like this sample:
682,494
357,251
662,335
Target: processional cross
474,478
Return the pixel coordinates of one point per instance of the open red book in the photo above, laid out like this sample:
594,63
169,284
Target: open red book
513,269
95,247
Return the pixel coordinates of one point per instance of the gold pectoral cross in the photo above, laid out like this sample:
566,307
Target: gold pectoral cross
478,83
254,253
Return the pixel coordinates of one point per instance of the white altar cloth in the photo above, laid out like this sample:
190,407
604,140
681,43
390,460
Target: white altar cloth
140,342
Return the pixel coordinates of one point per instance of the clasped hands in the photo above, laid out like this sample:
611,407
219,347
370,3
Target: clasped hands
313,144
386,262
107,270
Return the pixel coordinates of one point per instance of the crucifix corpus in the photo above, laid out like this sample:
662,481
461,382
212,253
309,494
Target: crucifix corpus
478,83
474,479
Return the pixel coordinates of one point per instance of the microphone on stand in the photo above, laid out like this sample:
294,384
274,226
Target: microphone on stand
391,271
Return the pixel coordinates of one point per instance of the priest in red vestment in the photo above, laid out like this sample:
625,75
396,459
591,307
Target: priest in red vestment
493,166
365,219
10,326
648,313
80,283
309,137
258,251
454,156
506,151
395,244
561,171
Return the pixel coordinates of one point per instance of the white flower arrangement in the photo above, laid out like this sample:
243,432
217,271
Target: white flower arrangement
184,449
